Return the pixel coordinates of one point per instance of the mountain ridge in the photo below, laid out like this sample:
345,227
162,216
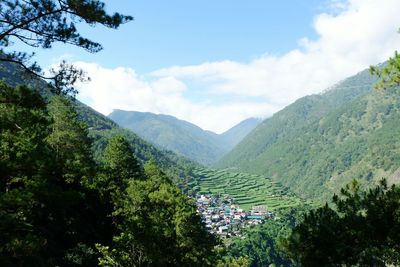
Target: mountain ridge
181,136
321,142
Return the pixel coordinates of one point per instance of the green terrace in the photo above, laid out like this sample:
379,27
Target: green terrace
246,189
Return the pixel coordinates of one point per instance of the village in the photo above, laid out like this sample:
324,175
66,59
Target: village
225,218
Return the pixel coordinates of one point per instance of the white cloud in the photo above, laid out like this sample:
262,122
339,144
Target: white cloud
352,36
122,88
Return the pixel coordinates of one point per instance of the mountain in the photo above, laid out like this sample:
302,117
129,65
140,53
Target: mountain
321,142
181,136
102,129
236,134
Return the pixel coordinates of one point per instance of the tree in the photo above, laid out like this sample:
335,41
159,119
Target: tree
23,161
47,216
119,160
261,245
363,229
234,262
70,141
119,166
40,23
160,227
389,75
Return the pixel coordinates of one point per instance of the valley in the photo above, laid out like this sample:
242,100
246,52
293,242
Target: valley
221,151
182,137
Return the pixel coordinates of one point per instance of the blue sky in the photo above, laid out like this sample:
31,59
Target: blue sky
181,32
217,62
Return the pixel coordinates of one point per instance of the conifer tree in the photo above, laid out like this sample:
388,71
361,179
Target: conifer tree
70,141
45,219
362,229
156,213
24,158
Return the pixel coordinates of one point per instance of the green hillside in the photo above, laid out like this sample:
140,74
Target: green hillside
247,189
321,142
236,134
177,135
183,137
102,129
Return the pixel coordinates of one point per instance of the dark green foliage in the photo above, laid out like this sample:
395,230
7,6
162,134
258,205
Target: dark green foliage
43,216
362,229
261,244
119,161
23,157
119,166
181,136
102,129
56,204
160,227
177,168
69,139
319,143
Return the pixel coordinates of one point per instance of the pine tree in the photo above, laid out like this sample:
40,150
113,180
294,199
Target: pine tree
119,166
40,23
362,229
45,219
70,141
160,227
24,162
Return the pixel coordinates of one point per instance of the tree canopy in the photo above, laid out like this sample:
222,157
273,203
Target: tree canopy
389,74
362,228
40,23
45,209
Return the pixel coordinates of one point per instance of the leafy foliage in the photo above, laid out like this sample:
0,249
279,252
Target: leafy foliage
362,229
154,212
262,245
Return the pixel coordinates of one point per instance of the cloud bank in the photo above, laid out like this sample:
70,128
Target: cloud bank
216,95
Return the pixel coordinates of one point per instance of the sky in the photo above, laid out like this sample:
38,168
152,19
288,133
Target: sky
216,63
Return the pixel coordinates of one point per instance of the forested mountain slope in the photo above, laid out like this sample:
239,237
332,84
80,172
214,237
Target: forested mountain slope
236,134
177,135
102,129
321,142
181,136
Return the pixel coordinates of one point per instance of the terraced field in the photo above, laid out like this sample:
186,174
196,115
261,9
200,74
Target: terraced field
246,189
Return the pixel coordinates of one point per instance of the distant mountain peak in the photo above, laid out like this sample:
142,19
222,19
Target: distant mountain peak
181,136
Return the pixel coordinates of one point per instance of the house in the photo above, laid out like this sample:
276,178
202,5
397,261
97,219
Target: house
222,229
255,217
215,218
259,210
